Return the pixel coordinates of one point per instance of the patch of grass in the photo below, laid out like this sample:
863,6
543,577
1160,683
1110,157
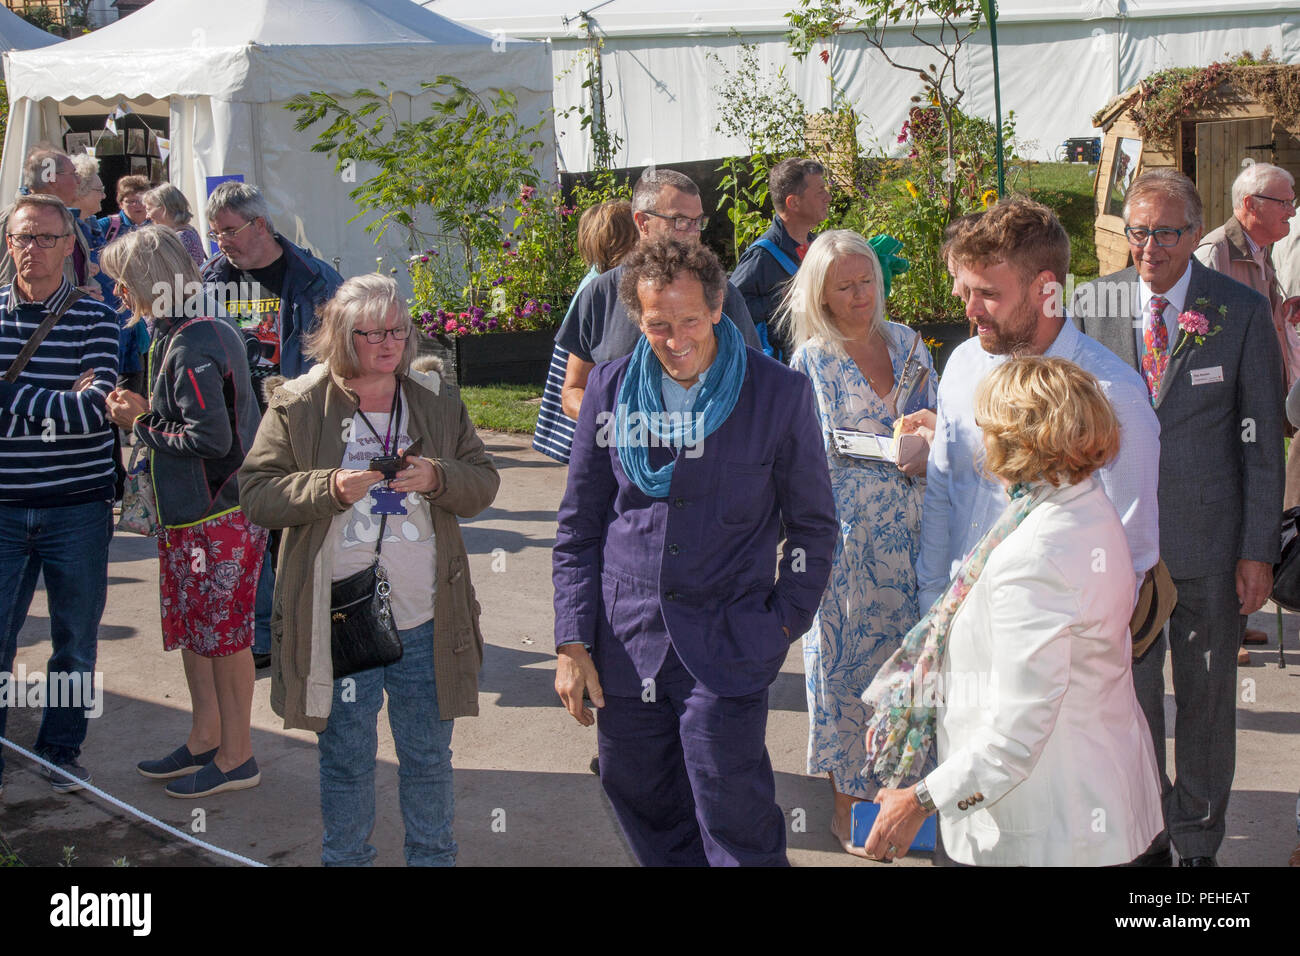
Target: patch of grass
503,408
1067,189
7,855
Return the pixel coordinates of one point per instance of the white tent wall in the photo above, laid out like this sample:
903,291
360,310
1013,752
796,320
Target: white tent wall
1060,61
1199,40
225,75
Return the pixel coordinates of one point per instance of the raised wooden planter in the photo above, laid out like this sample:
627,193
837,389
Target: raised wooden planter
498,358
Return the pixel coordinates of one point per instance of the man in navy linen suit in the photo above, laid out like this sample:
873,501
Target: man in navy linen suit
666,614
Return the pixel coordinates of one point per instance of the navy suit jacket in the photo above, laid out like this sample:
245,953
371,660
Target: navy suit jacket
697,569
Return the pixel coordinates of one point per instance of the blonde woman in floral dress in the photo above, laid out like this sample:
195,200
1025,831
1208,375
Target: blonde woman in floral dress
835,320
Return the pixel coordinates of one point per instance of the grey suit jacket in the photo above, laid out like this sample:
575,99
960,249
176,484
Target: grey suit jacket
1221,468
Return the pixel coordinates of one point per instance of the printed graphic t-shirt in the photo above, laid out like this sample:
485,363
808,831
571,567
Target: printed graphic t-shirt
258,314
408,554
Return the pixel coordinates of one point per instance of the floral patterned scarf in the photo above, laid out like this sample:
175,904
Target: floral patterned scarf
900,732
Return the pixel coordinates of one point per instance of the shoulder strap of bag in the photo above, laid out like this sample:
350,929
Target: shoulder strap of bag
152,379
786,263
42,330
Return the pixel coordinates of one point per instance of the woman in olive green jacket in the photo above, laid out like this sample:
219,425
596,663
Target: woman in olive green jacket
308,473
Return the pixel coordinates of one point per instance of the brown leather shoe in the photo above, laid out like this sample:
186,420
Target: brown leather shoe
1243,657
1254,636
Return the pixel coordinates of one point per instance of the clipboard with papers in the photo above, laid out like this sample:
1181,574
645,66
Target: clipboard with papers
875,446
873,441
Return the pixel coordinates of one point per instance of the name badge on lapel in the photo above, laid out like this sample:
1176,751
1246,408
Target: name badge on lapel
1204,376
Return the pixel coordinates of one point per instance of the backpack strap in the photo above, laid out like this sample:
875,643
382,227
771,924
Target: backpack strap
784,261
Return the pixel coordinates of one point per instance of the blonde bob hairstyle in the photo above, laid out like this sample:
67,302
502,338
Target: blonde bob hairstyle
803,313
361,300
158,274
1044,419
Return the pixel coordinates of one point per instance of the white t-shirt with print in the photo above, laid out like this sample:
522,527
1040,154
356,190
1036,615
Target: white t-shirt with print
408,555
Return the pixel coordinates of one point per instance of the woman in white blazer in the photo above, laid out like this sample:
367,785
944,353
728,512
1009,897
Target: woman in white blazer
1044,755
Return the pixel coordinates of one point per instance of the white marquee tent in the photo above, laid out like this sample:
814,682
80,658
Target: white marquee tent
17,34
1060,60
222,72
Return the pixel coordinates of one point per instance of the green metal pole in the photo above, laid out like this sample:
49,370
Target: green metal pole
991,14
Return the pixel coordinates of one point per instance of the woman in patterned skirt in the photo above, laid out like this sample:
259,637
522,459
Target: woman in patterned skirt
198,421
866,373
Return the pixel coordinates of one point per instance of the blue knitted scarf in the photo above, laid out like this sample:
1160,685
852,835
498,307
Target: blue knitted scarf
642,392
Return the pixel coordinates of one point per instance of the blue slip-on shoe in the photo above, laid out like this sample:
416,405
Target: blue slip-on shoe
210,780
178,763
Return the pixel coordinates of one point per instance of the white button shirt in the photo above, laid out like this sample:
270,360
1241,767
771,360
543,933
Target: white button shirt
961,504
1176,298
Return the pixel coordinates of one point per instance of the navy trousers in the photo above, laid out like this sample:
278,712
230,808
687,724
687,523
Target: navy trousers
689,775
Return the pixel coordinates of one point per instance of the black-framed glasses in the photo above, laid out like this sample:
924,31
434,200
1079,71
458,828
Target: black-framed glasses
1164,237
682,223
44,240
1284,202
375,336
225,234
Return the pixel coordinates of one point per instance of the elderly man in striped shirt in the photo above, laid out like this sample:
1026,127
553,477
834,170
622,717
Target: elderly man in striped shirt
56,473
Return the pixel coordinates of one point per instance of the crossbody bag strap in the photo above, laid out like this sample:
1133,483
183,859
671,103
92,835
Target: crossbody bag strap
42,330
172,333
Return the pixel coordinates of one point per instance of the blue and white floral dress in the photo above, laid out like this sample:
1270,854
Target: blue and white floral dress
870,602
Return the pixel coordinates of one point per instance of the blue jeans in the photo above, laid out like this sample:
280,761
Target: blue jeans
262,608
347,760
71,546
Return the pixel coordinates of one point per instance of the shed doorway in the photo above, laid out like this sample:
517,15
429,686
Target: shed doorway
1220,151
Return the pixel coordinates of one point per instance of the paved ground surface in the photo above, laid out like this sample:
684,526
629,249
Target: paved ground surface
524,793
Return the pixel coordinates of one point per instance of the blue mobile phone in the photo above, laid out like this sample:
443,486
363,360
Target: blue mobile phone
864,815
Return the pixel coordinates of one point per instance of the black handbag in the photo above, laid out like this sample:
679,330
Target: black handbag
363,633
1286,573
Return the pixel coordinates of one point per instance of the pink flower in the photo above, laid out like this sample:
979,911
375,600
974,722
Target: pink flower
1194,323
450,325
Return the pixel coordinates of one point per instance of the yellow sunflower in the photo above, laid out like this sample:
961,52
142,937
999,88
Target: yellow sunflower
990,196
911,188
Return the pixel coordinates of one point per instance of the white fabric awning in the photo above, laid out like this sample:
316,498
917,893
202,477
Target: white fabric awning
1060,61
223,73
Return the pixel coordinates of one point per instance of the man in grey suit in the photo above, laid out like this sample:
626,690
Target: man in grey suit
1205,346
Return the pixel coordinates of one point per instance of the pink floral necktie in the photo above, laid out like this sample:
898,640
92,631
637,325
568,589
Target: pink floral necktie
1155,336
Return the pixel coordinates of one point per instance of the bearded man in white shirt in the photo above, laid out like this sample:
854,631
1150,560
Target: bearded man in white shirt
1011,267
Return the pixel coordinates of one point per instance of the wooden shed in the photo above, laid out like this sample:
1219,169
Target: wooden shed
1252,113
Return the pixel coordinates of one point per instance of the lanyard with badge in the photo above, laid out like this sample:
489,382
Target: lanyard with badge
386,500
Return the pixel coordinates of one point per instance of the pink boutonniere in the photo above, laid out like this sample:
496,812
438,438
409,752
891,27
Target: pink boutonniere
1197,326
1193,323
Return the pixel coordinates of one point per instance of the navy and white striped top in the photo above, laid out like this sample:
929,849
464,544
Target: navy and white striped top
56,446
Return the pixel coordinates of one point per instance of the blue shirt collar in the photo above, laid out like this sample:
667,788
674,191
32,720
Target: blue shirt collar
677,397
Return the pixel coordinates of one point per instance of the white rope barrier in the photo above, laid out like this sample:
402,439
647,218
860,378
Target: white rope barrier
167,827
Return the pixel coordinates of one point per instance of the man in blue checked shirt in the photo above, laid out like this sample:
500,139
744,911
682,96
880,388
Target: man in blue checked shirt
1011,268
56,472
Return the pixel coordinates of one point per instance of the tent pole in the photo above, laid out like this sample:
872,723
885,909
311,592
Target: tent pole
991,13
